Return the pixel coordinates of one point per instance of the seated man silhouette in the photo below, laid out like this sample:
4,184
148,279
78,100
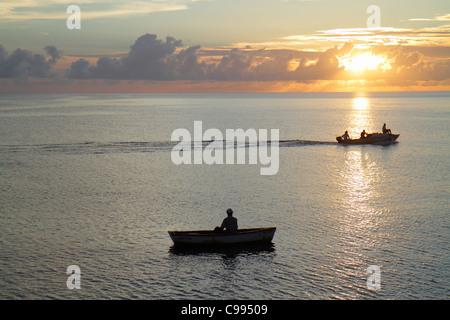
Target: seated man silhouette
229,224
345,136
363,134
386,131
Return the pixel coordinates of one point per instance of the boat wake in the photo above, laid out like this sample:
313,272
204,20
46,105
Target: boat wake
92,147
299,143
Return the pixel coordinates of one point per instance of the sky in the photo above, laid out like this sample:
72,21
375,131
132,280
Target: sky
225,46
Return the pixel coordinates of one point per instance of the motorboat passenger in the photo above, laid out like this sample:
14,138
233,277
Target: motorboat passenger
386,131
363,134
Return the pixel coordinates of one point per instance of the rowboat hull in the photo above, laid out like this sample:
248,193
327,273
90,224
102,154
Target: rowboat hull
211,238
373,138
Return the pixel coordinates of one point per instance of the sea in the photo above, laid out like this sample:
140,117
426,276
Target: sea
88,180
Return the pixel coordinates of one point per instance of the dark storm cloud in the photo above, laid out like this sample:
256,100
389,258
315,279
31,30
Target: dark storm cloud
24,63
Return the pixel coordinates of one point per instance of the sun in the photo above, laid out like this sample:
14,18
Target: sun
364,61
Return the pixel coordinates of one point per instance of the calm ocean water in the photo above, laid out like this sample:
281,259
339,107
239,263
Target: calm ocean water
88,180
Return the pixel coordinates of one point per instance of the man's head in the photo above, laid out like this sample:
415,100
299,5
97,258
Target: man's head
229,212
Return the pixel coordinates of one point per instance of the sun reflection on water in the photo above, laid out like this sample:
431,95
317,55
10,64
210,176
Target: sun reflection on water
359,177
359,219
361,215
360,103
359,117
359,174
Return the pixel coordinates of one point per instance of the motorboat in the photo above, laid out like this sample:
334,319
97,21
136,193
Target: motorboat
371,138
213,238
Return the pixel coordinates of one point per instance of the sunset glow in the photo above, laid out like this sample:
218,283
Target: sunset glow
212,46
224,152
365,61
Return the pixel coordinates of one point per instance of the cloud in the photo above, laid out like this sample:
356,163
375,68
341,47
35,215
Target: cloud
13,10
149,58
445,17
402,64
24,63
364,37
168,61
152,59
54,53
